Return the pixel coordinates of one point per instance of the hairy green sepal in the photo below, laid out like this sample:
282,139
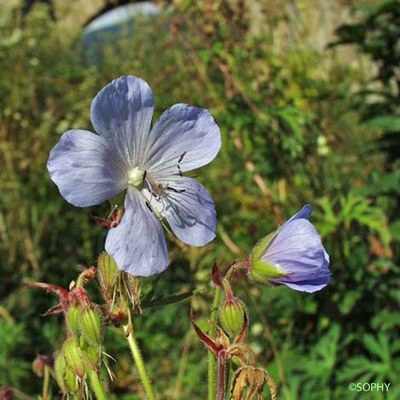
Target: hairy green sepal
261,246
263,271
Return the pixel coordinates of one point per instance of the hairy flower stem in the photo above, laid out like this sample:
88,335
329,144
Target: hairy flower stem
211,358
221,385
96,385
138,359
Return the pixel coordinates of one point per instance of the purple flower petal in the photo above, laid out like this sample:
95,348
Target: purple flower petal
183,135
122,112
304,213
86,169
188,208
308,286
138,243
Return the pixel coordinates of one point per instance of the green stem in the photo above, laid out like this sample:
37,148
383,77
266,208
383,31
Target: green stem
46,379
211,358
137,357
269,336
80,282
96,385
228,373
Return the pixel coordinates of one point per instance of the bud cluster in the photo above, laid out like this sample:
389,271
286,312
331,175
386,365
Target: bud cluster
81,353
77,363
82,350
230,344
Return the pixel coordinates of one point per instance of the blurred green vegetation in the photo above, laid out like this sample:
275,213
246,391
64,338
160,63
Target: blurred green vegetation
299,126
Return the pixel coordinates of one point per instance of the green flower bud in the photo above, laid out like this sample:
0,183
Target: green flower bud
90,326
73,357
71,381
66,379
107,272
72,318
93,355
232,315
59,371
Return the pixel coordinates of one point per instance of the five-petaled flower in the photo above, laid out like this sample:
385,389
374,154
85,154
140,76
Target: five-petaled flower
293,256
125,153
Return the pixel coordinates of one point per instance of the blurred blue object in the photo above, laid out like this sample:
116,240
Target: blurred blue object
115,24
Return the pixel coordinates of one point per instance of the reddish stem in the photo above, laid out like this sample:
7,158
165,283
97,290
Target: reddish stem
221,382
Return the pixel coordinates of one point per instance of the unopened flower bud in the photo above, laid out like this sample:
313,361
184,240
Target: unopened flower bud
72,318
118,315
73,357
107,273
90,326
6,393
232,313
71,381
40,363
59,371
92,355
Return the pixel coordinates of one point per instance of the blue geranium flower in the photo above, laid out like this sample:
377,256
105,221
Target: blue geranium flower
293,256
125,153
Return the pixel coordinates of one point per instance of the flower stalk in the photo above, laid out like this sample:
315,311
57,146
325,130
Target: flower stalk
211,357
222,378
46,381
138,359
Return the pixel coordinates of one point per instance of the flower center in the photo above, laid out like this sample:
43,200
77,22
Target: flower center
136,177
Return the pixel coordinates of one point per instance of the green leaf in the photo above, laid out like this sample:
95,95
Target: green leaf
386,122
395,230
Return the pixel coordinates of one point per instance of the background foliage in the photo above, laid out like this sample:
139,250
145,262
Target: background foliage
299,125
